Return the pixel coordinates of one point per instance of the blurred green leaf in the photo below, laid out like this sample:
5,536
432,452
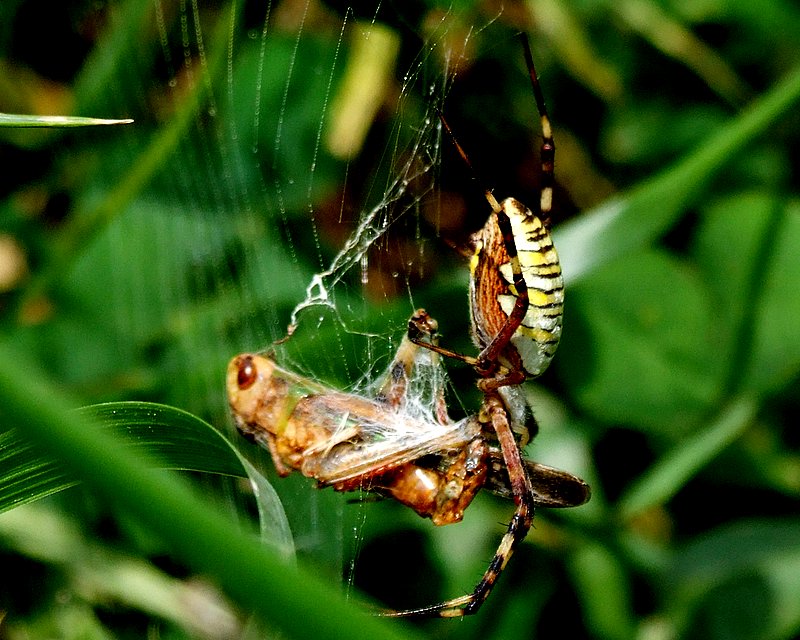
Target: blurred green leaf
104,573
640,216
666,477
676,40
732,248
604,591
570,41
639,344
125,48
739,581
633,134
747,246
776,349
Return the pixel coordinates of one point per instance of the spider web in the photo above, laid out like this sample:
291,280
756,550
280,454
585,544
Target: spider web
306,169
250,204
280,177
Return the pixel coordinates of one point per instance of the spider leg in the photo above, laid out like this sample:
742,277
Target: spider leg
420,335
548,149
395,385
515,533
486,362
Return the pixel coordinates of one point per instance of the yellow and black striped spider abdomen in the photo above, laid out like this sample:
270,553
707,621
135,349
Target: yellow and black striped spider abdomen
493,293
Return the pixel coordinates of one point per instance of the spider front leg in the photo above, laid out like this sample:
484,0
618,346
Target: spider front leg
494,411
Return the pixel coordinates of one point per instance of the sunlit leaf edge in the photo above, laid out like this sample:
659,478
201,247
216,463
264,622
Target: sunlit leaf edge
176,438
30,121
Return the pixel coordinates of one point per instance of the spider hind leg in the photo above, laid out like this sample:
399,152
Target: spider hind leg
517,530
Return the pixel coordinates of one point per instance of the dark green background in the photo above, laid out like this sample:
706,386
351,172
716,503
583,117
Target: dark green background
156,251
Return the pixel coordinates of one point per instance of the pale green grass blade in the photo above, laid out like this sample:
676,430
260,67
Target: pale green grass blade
27,122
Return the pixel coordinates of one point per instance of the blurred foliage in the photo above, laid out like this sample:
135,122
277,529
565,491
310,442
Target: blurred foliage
136,260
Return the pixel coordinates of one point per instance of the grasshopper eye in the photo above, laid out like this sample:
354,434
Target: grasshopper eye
248,374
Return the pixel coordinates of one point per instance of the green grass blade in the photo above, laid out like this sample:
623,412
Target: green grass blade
668,475
183,441
172,438
26,121
178,440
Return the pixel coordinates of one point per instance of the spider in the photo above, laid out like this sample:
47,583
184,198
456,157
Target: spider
423,460
516,299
